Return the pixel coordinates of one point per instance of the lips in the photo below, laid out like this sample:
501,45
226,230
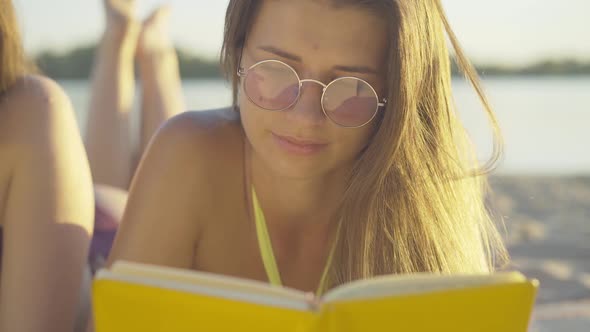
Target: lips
300,146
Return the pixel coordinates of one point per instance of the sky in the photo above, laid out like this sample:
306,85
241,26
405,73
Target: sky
508,32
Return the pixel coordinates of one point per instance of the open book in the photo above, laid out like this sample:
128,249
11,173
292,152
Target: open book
138,297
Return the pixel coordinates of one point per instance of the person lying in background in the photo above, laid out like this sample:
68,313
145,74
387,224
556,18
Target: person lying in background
46,196
112,151
113,148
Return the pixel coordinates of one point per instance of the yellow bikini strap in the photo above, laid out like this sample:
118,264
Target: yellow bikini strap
268,257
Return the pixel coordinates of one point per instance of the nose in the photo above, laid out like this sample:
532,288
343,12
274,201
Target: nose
308,108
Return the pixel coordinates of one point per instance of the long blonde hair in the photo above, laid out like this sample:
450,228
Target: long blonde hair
416,198
13,63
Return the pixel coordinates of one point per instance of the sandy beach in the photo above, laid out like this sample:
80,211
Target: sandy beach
548,237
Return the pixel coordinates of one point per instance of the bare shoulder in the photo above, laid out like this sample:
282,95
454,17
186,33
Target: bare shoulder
184,165
33,92
203,148
37,121
41,149
202,135
34,107
202,124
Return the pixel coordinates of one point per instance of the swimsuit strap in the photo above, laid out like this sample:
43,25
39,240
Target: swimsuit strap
264,243
268,257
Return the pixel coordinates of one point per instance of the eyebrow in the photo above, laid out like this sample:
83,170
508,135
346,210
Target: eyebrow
357,69
296,58
281,53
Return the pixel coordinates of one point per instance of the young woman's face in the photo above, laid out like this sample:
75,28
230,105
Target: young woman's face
322,43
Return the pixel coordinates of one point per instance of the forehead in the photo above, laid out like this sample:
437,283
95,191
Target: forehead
316,30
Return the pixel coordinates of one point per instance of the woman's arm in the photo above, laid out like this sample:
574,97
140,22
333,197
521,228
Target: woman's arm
48,212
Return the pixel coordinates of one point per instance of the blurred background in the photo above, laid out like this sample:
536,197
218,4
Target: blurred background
534,59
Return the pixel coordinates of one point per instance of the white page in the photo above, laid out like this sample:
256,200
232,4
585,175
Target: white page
414,284
207,284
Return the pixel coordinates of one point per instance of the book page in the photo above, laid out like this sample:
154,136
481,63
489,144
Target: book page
414,284
207,284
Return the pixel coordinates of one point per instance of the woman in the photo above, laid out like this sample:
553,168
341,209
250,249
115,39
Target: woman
341,159
46,200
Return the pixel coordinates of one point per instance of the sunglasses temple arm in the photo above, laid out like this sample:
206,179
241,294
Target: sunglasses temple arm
240,71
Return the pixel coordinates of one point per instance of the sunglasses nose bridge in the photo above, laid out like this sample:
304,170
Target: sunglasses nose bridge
308,105
324,86
313,81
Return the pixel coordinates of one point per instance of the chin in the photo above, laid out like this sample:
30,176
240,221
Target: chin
297,168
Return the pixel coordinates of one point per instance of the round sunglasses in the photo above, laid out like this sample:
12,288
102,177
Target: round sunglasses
275,86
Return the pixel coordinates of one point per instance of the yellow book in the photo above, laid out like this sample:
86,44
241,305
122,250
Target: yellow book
139,297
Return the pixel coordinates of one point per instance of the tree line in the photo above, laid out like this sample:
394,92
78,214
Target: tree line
77,64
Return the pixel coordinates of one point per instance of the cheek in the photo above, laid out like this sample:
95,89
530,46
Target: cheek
256,123
251,120
353,141
248,113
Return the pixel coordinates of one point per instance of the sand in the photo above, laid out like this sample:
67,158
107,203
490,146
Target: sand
548,237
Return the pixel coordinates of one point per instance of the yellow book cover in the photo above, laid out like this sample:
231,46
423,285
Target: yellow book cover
139,297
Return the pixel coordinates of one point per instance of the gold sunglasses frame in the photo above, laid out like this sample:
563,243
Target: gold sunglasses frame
243,73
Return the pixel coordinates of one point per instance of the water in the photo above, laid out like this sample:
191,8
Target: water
545,121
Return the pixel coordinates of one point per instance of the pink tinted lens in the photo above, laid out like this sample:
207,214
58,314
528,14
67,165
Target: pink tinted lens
272,85
350,102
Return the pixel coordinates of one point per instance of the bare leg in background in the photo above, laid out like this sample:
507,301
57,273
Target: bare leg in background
108,142
161,96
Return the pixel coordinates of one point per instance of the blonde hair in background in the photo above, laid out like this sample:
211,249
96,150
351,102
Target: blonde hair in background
13,63
415,201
